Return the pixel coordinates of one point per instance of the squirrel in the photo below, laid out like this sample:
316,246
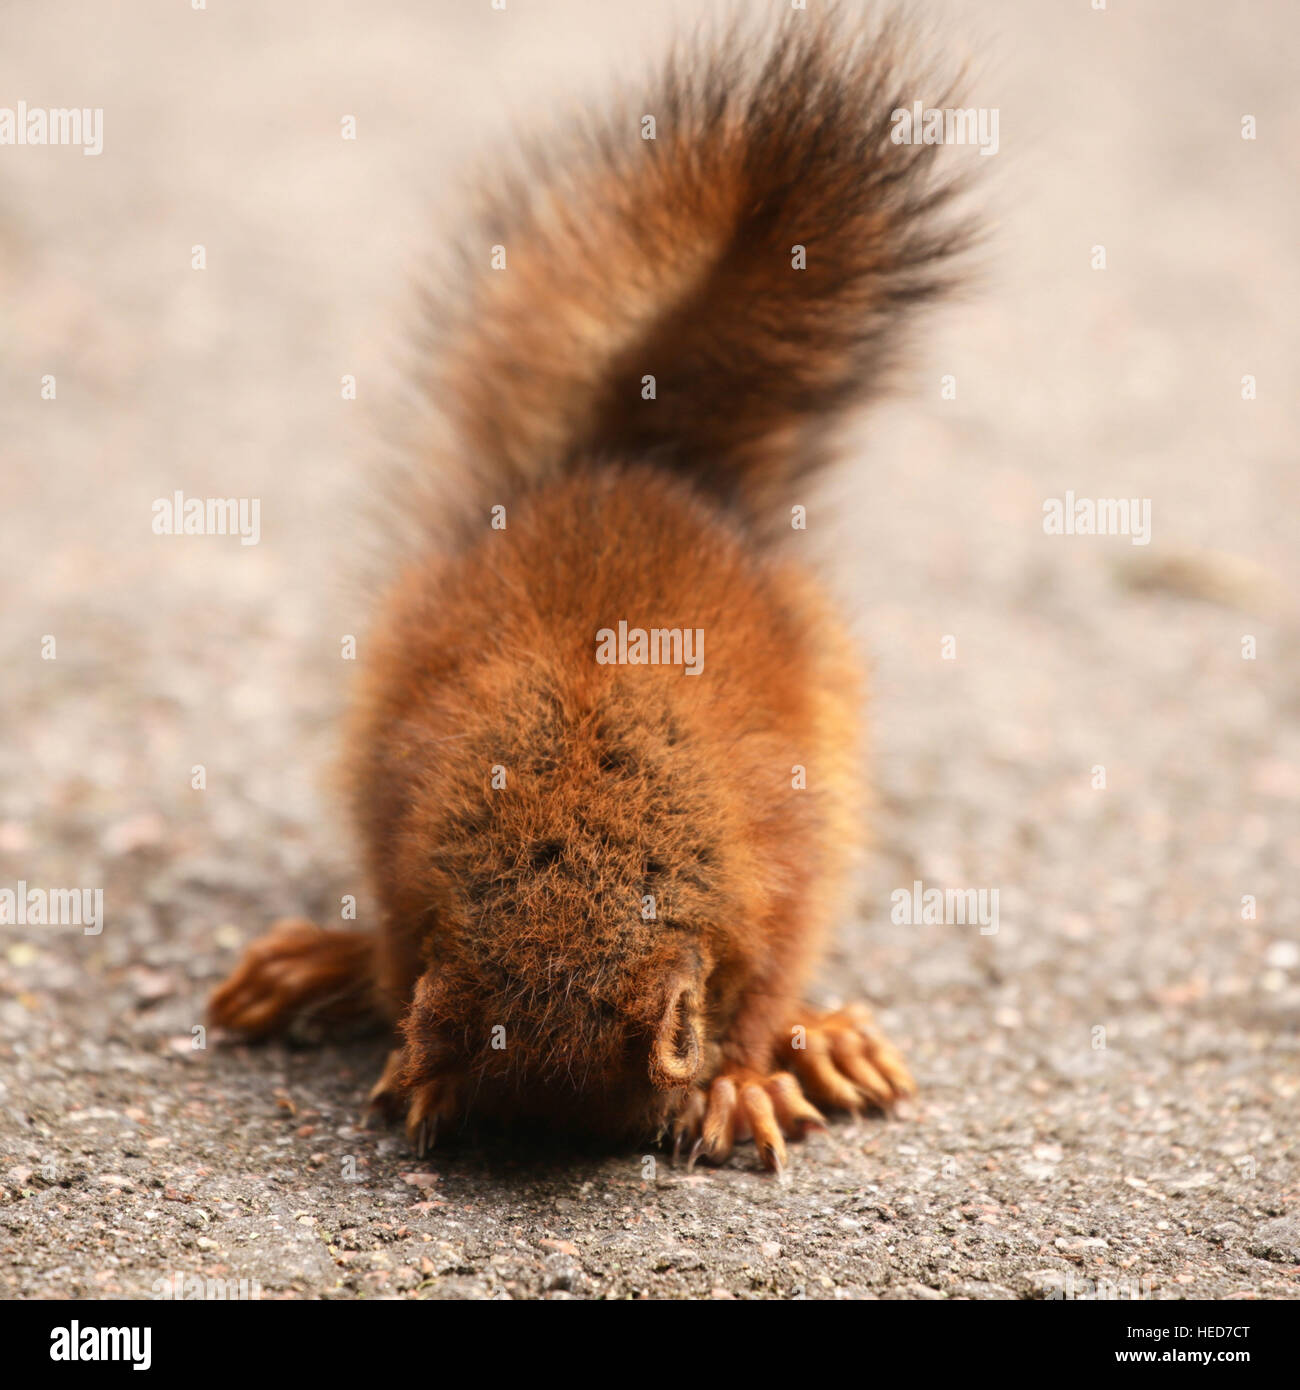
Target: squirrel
603,757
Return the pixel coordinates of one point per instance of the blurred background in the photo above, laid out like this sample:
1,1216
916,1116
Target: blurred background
1120,909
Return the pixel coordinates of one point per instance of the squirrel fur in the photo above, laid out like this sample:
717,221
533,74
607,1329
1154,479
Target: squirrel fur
605,885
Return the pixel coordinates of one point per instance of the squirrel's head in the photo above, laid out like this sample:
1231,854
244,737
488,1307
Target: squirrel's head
615,1035
572,879
582,912
561,1004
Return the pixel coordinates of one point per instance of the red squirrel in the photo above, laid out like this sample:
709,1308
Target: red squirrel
604,758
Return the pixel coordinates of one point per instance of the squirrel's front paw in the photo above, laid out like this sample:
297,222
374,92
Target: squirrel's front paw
837,1058
843,1059
429,1103
744,1104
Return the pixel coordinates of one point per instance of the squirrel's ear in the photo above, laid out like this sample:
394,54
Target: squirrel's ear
678,1046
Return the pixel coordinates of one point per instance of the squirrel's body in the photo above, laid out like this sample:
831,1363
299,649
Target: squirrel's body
606,882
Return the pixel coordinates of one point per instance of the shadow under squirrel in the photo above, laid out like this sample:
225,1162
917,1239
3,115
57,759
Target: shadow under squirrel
606,881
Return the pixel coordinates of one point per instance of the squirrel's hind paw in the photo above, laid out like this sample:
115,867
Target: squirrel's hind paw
296,969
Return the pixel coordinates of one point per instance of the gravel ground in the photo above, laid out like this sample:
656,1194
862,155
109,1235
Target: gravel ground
1109,1080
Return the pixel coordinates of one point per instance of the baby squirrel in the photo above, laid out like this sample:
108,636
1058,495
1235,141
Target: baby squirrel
604,755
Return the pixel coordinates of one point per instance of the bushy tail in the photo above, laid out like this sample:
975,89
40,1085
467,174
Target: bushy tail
713,297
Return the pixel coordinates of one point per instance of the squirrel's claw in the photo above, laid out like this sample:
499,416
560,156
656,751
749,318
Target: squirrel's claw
840,1059
743,1104
430,1104
844,1061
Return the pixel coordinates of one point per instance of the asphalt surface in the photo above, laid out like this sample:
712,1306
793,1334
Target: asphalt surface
1109,1080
